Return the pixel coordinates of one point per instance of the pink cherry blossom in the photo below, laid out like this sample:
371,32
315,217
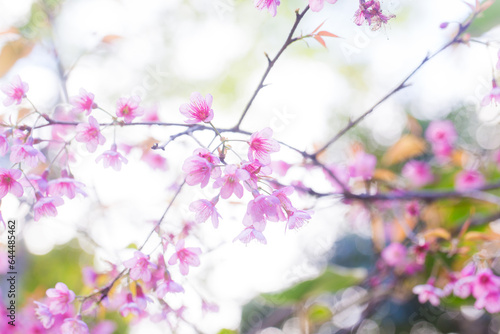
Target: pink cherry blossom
282,194
46,206
83,102
280,167
8,182
140,298
463,284
155,161
363,165
26,154
74,326
44,315
167,285
15,91
442,135
128,108
262,145
484,283
418,173
420,250
250,233
394,254
130,307
112,158
297,218
256,171
200,167
90,134
341,173
261,209
428,292
139,266
469,180
205,209
59,298
490,302
230,182
104,327
370,12
493,95
186,257
199,110
317,5
271,5
65,186
4,145
39,182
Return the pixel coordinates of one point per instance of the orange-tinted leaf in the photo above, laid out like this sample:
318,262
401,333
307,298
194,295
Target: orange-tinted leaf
437,233
407,147
378,233
11,30
318,28
320,40
326,33
108,39
485,5
384,175
399,231
479,236
12,52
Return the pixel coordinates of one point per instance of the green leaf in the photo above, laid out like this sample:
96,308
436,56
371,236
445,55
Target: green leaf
486,21
227,331
332,280
319,314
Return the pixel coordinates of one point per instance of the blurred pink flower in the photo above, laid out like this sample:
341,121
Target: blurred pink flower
74,326
250,233
297,218
419,173
363,165
90,134
430,293
26,154
271,5
84,102
65,186
130,307
112,158
484,283
155,161
394,254
341,173
15,91
186,257
139,266
317,5
262,145
44,315
493,95
230,182
490,302
442,136
60,298
46,206
200,167
199,110
261,209
469,180
8,182
205,209
4,145
167,285
128,108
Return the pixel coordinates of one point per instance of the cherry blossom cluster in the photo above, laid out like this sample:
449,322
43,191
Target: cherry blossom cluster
368,11
252,175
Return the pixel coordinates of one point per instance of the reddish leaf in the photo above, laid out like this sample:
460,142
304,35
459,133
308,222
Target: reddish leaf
326,33
320,40
318,27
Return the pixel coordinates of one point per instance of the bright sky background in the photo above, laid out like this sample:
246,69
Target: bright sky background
170,48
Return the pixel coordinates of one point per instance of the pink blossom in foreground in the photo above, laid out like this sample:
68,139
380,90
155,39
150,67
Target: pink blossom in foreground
65,186
363,165
74,326
262,145
493,95
167,285
4,145
128,108
130,307
15,91
370,12
205,209
230,182
282,194
469,180
84,102
8,182
428,292
419,173
199,110
139,266
271,5
394,254
186,257
261,209
26,154
44,315
59,298
463,284
46,206
484,283
250,233
201,167
90,134
297,218
490,302
317,5
112,158
256,171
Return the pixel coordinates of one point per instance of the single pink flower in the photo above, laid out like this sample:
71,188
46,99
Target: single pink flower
484,283
490,302
15,91
363,165
39,182
282,194
262,145
167,285
230,182
83,102
130,307
8,182
201,167
394,254
199,110
370,12
493,95
261,209
46,206
60,298
74,326
442,135
271,5
112,158
280,167
128,108
65,186
186,257
26,154
205,209
317,5
427,292
469,180
90,134
155,161
256,171
44,315
342,175
140,298
139,266
4,145
419,173
250,233
297,218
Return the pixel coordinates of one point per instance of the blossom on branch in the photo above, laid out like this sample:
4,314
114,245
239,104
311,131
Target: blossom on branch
8,182
230,182
262,145
74,326
15,91
493,95
46,206
370,12
419,173
26,154
90,134
83,102
205,209
59,298
199,110
271,5
112,158
139,266
469,180
185,256
128,108
44,315
317,5
428,292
